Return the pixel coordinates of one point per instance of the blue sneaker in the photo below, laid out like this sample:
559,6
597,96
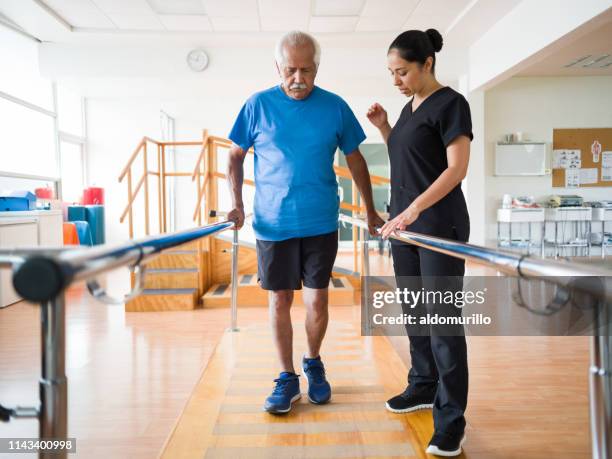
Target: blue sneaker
286,392
319,390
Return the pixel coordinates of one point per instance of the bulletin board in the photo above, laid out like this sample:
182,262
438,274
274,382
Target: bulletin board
582,158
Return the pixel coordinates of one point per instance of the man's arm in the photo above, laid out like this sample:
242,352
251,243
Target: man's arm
235,178
359,170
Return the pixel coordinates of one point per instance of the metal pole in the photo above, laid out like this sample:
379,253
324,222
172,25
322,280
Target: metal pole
600,380
365,280
53,385
234,307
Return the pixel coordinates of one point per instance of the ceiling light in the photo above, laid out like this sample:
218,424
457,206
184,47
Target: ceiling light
595,61
576,61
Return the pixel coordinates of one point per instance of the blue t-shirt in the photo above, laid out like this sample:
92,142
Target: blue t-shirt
296,192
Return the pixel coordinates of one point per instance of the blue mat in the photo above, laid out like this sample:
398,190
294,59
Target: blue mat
77,213
84,232
95,217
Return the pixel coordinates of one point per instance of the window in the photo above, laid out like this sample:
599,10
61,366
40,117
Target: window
71,167
27,140
69,111
20,76
34,122
377,158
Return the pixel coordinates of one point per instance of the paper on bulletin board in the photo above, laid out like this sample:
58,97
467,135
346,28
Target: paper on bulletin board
588,175
606,174
572,178
566,159
606,159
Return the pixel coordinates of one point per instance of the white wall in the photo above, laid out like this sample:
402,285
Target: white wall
535,106
114,129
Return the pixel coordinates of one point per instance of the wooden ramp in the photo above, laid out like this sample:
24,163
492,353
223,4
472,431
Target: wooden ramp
341,293
224,417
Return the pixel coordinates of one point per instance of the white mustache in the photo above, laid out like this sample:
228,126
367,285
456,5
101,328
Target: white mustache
297,86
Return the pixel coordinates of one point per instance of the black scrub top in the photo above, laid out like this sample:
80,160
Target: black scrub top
417,152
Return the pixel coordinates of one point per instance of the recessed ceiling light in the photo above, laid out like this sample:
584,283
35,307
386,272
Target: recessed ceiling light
576,61
595,61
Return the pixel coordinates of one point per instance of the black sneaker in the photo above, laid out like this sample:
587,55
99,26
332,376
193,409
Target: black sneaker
410,400
445,445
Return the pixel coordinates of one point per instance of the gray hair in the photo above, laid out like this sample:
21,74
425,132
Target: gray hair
293,39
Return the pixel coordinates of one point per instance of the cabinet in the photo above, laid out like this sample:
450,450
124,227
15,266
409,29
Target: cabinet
26,230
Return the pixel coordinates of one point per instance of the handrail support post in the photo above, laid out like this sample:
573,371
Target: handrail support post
53,420
234,280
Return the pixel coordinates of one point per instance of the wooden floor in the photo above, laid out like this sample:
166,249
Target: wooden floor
145,383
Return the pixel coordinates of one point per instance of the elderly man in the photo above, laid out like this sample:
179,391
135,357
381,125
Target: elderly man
295,129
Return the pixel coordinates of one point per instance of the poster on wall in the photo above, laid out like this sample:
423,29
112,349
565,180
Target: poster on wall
566,159
572,178
588,175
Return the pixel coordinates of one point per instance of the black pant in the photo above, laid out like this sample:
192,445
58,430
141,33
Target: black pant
439,363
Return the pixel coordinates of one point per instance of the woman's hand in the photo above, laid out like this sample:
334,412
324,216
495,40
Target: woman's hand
407,217
377,115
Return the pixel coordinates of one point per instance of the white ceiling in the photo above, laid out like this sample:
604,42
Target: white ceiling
320,16
593,50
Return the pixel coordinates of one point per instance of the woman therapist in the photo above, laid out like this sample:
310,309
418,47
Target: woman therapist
429,149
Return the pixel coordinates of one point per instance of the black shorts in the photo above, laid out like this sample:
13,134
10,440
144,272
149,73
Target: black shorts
284,265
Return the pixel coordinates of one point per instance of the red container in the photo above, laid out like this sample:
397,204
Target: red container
44,193
93,196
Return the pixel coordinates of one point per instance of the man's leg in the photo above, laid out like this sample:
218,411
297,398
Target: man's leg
279,269
317,318
280,320
318,256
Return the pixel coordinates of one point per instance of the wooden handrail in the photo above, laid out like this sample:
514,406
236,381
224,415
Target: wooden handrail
179,144
224,176
221,140
149,139
345,172
132,158
198,209
200,157
133,197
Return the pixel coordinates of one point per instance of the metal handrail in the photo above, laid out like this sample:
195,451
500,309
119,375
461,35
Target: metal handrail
527,266
61,268
42,275
561,273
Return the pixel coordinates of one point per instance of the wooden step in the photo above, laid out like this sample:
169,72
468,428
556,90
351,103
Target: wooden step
250,294
172,299
171,278
189,246
177,259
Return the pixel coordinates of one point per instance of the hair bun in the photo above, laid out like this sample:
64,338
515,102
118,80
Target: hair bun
435,38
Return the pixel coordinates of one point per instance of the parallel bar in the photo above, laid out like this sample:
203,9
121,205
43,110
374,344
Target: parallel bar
59,270
53,422
503,261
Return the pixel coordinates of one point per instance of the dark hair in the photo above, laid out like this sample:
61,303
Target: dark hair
417,46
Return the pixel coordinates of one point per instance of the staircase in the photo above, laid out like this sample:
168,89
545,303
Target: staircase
198,274
171,282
